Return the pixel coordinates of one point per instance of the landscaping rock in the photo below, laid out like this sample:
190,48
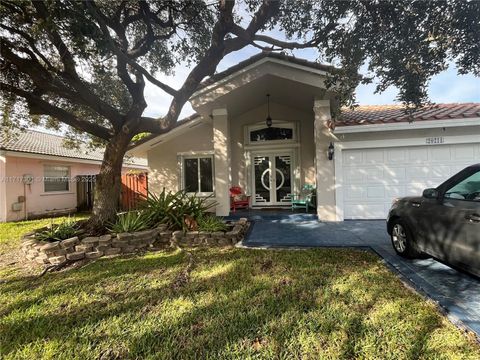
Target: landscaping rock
146,234
102,248
129,249
28,243
90,240
68,243
50,246
93,254
178,234
77,255
124,236
92,247
83,247
191,234
41,261
120,243
112,251
32,252
57,260
42,256
60,252
105,238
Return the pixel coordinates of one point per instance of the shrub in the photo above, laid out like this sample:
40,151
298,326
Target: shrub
57,232
211,223
172,209
130,221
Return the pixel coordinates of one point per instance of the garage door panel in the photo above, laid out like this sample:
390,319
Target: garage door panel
372,178
394,174
392,192
397,155
417,155
364,211
415,172
374,156
352,158
375,175
441,154
464,152
375,192
354,175
355,192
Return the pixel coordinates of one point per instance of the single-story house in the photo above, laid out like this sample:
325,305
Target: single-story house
273,145
39,175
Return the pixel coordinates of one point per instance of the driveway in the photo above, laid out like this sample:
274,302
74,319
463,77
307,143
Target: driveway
457,293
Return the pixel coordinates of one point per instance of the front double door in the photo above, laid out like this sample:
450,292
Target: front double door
272,178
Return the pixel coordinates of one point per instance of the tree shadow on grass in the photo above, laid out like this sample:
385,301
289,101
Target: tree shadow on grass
243,302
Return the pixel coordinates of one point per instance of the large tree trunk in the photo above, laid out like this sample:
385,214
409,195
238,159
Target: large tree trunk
108,183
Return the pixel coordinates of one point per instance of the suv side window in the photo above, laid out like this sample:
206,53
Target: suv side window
467,189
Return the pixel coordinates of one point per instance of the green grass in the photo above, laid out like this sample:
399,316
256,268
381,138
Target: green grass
235,304
11,232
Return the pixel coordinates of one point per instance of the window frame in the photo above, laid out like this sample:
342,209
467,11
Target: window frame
450,186
196,155
68,167
261,125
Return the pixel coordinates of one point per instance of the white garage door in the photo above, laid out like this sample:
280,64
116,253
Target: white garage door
373,177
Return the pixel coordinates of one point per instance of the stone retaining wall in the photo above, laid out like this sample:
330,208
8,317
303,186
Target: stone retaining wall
93,247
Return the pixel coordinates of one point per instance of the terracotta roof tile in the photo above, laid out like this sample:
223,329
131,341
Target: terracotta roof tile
382,114
37,142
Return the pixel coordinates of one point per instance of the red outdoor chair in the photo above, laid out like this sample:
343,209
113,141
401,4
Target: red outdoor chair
238,199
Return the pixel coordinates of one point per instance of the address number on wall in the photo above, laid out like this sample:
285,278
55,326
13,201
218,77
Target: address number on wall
434,140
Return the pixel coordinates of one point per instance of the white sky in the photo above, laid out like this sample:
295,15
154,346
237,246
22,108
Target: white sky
447,87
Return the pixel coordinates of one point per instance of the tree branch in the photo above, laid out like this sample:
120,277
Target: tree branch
44,80
38,106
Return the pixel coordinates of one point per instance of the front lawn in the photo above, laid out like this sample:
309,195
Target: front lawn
11,232
326,303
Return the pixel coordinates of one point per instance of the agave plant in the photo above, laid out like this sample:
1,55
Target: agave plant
173,208
57,232
130,222
211,223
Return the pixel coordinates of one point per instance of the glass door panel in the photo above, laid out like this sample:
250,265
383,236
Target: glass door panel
262,173
283,181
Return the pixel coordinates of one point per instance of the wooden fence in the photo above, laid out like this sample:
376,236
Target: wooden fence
134,188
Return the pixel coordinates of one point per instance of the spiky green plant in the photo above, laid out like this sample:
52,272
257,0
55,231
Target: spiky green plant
171,208
130,222
57,232
211,223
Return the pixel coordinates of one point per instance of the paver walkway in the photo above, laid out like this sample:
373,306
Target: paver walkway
457,293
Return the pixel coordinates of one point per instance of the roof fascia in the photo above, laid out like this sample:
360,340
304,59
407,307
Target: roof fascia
420,124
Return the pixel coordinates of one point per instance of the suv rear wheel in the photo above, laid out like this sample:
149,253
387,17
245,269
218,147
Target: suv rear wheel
402,240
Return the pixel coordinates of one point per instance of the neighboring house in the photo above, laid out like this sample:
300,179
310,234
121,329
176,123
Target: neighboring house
377,154
38,174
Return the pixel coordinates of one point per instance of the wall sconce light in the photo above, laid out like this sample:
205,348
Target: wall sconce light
330,151
268,120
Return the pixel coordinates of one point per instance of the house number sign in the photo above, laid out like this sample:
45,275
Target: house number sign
434,140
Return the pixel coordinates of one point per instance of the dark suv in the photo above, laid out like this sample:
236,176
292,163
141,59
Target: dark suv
443,223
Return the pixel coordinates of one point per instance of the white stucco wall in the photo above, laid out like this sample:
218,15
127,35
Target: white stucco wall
163,158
